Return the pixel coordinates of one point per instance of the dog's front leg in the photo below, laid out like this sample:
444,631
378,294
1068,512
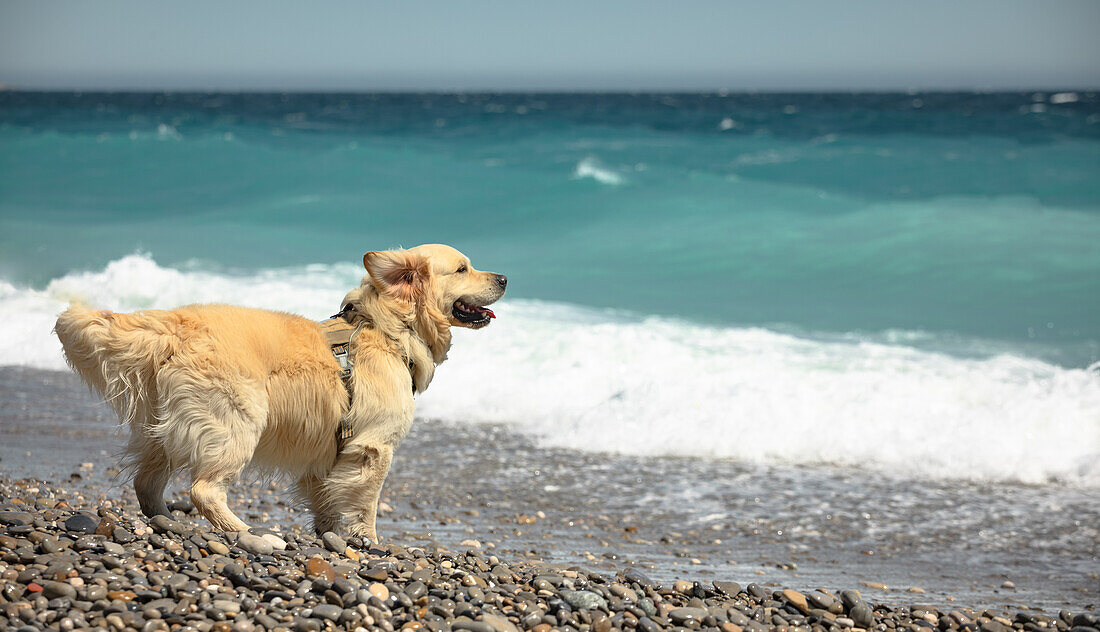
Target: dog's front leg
352,488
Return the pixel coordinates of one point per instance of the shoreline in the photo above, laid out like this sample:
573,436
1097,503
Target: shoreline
488,489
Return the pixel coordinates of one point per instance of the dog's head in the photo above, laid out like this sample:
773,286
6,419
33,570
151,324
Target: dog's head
438,278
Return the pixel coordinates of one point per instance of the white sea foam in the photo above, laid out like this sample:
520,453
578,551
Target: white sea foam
590,380
137,282
167,132
591,168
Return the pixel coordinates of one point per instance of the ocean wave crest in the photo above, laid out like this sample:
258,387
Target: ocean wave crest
591,168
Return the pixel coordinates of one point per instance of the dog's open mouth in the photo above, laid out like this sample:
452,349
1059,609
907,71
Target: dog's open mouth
472,314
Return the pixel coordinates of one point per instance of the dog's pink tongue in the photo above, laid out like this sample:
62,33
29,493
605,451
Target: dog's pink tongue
489,312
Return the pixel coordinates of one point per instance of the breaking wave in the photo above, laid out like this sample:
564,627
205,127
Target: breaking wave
607,381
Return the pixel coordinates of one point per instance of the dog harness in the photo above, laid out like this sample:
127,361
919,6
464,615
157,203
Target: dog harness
339,330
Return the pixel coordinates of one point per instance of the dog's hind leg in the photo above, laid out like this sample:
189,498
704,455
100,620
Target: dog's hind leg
210,499
220,467
151,471
213,432
149,482
311,487
222,450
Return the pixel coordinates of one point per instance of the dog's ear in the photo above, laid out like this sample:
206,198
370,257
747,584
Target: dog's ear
398,273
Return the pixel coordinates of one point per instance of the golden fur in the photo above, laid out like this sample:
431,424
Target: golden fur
211,389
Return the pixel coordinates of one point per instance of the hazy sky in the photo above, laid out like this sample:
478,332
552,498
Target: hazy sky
553,44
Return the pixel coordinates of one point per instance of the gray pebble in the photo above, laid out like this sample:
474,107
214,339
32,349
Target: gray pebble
16,518
122,536
164,524
226,605
52,590
327,611
333,542
183,505
583,599
81,523
728,588
302,624
680,616
416,590
254,544
862,615
851,599
472,626
640,578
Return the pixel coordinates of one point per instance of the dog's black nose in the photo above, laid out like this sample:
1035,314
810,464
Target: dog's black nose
502,280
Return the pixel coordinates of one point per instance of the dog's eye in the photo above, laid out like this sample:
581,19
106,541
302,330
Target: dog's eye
461,269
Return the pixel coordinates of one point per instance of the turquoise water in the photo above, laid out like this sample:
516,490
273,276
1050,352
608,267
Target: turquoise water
904,281
976,215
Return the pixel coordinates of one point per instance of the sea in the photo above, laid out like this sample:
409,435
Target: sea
892,282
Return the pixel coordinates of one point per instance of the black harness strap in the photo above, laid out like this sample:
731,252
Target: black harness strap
340,330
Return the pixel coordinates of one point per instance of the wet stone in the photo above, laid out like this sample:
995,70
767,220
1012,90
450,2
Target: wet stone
851,599
225,605
821,600
499,623
730,589
680,616
638,577
333,542
183,505
217,548
164,524
81,523
15,518
472,626
327,611
415,590
583,599
862,615
95,593
380,591
623,592
121,595
796,599
277,543
53,590
106,527
254,544
302,624
122,536
378,574
51,545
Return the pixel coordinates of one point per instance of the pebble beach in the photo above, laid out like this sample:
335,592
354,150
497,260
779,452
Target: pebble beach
69,564
482,531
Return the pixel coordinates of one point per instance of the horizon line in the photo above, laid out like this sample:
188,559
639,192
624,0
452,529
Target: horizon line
5,88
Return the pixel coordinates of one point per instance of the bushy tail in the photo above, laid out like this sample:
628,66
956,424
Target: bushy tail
117,355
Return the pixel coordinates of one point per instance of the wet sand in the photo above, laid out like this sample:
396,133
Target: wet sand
900,541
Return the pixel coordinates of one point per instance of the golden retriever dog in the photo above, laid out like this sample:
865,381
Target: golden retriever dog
212,389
